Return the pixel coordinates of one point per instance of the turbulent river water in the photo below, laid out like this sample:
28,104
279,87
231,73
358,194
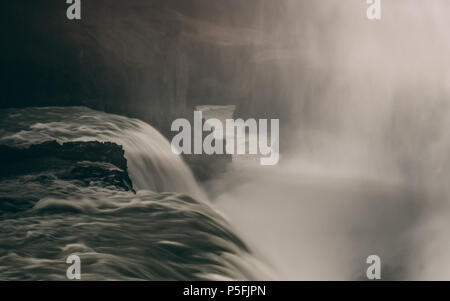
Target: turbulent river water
164,230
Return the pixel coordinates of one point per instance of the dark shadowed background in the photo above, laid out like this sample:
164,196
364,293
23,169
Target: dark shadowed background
154,60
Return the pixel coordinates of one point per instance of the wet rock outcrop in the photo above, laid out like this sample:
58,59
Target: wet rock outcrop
87,163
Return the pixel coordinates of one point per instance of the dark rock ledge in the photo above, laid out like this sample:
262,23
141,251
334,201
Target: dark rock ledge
102,163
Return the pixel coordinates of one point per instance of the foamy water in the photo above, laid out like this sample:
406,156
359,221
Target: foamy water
148,235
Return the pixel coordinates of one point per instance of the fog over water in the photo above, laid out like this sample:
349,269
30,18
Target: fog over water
366,167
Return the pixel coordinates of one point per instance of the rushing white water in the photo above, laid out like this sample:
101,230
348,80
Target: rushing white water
151,163
119,235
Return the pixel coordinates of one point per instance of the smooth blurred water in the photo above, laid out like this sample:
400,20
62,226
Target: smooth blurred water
167,230
151,163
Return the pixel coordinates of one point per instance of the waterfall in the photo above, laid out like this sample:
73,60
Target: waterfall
151,163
